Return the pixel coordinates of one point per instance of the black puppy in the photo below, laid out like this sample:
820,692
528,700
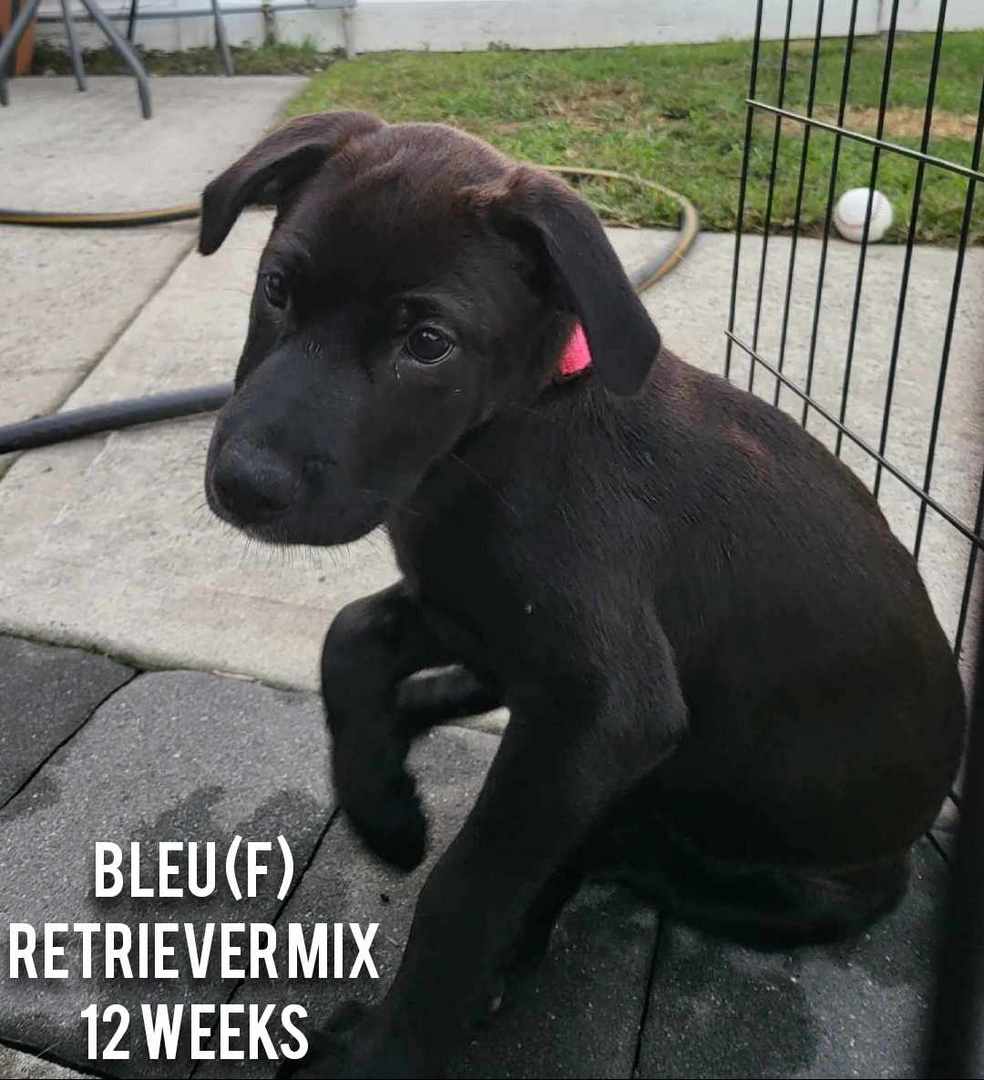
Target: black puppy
723,672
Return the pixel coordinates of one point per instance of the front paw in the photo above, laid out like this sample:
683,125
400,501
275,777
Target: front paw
351,1045
385,811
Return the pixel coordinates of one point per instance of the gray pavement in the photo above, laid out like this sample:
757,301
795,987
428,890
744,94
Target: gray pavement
75,683
171,756
69,295
54,283
17,1065
622,991
853,1009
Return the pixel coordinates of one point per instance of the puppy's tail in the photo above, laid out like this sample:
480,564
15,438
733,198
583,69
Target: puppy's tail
766,905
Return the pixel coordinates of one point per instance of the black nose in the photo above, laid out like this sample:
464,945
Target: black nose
251,483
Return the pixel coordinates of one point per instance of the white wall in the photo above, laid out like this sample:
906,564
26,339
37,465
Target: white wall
474,24
379,25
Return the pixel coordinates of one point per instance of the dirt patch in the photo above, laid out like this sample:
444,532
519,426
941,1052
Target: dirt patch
905,122
510,127
596,103
595,106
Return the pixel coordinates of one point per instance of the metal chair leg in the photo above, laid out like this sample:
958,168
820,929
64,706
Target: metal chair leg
73,46
131,21
18,29
221,40
123,47
347,36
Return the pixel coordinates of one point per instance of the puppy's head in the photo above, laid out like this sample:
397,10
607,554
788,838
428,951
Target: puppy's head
415,283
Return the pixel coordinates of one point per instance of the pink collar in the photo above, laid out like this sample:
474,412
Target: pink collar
577,355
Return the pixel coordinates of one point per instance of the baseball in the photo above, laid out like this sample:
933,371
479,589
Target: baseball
851,210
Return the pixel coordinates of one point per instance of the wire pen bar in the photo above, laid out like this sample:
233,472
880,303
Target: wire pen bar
742,187
872,185
801,182
961,972
828,213
909,244
776,134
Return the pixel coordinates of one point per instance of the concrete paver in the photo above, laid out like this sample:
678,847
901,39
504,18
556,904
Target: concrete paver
46,694
93,151
579,1015
855,1008
173,756
190,756
17,1065
67,297
582,1011
345,883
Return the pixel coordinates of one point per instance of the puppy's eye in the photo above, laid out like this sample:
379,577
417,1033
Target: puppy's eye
428,345
275,289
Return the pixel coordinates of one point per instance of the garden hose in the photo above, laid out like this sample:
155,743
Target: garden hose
662,264
114,220
76,423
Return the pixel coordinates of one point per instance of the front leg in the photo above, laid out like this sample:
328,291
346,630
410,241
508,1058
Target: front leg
564,760
371,648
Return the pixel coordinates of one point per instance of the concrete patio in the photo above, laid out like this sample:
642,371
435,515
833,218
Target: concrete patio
156,677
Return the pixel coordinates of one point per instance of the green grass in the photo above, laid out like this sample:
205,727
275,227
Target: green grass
676,114
273,58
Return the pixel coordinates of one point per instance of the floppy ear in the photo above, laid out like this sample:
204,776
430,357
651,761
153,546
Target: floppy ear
623,340
268,172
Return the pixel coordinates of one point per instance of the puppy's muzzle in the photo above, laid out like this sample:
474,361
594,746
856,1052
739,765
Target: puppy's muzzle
249,485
